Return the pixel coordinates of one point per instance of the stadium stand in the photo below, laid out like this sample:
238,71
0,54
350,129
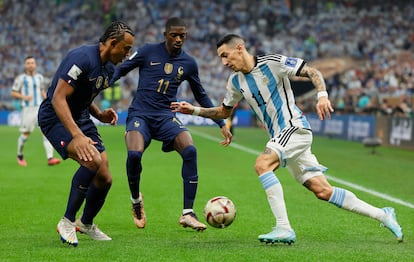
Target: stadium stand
374,38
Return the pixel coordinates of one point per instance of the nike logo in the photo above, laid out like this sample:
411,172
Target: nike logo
83,187
154,63
92,79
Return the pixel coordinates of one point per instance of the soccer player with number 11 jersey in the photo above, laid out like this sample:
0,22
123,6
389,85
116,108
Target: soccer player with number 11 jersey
162,68
264,82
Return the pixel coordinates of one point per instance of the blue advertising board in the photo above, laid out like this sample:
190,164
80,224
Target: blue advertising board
349,127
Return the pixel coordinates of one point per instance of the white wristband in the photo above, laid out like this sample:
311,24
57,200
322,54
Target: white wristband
322,94
196,111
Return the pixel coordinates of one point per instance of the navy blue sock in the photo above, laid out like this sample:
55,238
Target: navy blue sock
134,169
95,198
190,176
80,183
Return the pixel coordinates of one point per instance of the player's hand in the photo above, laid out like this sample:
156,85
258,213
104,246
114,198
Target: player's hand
28,98
324,108
84,147
228,136
182,107
109,116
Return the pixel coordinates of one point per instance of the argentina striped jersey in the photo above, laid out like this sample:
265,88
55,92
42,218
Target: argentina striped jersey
268,91
29,85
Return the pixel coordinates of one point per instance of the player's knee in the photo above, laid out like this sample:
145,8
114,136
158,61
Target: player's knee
258,168
98,162
262,166
94,165
320,187
323,193
103,180
189,153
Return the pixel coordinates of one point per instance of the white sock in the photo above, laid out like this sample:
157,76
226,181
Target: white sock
274,192
347,200
48,148
188,210
135,201
20,144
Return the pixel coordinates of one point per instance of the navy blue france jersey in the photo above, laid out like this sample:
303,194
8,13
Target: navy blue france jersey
160,76
83,70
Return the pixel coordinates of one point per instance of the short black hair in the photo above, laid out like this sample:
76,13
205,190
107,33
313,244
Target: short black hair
116,30
28,57
228,38
174,21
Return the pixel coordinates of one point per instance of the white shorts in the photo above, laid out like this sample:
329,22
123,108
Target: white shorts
293,146
29,119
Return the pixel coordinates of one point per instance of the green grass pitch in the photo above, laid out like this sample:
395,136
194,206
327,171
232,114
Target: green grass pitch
33,199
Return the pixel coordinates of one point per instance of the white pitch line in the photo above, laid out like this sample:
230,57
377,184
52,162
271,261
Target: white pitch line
337,180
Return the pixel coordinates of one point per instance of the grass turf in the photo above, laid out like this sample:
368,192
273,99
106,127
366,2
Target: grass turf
33,199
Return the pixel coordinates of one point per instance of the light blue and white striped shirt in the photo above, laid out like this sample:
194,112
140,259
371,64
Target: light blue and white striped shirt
29,85
268,91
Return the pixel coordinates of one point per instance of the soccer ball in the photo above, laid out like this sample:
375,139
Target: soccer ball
219,212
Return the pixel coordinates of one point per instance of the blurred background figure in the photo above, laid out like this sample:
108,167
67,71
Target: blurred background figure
29,87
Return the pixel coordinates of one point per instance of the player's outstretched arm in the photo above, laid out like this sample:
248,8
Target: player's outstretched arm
211,112
218,112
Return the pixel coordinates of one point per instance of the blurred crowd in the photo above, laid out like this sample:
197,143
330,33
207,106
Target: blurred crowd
377,35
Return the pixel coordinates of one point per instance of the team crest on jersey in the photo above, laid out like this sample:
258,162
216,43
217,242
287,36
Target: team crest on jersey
168,68
136,124
99,82
265,80
290,61
180,73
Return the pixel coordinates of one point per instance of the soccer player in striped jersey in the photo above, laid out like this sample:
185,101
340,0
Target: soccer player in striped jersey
65,119
264,82
30,88
163,67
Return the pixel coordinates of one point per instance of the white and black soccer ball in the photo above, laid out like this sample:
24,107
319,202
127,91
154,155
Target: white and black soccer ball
219,212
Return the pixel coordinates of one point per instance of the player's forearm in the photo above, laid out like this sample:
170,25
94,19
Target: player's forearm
214,112
318,81
315,76
17,95
94,110
206,102
65,116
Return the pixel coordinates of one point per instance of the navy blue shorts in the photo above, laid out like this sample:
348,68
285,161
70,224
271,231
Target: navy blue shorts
59,136
163,128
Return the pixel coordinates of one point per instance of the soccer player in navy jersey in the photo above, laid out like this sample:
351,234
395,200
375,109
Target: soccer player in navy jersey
64,118
264,82
163,67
